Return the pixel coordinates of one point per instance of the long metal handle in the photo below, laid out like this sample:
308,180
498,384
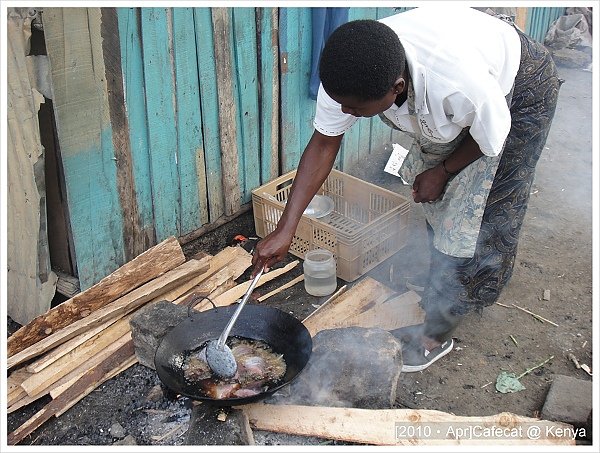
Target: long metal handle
225,333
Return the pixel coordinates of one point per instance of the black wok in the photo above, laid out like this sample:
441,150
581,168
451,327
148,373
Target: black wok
284,333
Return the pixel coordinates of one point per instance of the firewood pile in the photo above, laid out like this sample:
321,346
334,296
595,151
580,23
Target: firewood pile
76,346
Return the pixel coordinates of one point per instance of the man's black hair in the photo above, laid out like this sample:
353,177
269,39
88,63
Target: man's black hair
361,58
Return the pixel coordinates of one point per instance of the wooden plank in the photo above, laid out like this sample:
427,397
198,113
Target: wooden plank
40,381
327,302
162,133
236,259
60,351
134,240
348,155
238,291
378,427
306,104
126,363
228,126
210,111
365,294
182,288
118,308
521,17
74,46
13,383
192,173
269,58
245,60
205,288
24,400
68,380
401,311
80,389
133,80
291,146
142,269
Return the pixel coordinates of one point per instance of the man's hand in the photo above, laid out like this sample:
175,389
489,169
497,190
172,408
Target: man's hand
270,251
429,185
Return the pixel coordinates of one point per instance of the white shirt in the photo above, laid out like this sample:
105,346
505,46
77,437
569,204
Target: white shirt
462,63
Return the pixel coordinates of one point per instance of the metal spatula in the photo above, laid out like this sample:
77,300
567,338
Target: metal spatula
218,355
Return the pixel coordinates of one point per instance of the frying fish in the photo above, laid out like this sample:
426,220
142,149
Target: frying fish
258,367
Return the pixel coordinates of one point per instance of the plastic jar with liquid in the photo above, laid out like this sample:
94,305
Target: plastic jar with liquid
319,272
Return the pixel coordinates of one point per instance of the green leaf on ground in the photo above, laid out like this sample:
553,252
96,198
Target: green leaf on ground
508,383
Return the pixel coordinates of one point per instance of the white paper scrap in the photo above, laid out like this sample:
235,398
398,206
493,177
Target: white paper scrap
395,161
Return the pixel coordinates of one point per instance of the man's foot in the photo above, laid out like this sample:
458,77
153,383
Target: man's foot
409,334
419,357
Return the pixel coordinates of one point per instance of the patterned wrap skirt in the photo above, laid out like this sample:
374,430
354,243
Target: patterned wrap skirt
464,284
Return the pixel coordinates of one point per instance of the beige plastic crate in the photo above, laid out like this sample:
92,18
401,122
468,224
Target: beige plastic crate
368,223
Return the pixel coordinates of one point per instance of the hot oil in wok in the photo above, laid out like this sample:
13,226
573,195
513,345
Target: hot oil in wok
258,368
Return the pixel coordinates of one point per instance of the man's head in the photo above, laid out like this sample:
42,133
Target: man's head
362,59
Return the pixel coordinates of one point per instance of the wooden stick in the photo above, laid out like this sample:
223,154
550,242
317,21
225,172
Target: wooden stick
333,296
529,370
282,288
238,291
117,308
145,267
540,318
65,348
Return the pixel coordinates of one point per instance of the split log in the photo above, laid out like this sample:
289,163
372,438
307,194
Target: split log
401,311
13,384
178,290
58,352
380,427
76,392
327,302
236,259
355,301
67,381
229,297
145,267
117,308
39,382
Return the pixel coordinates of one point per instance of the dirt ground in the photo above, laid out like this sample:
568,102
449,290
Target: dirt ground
555,255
